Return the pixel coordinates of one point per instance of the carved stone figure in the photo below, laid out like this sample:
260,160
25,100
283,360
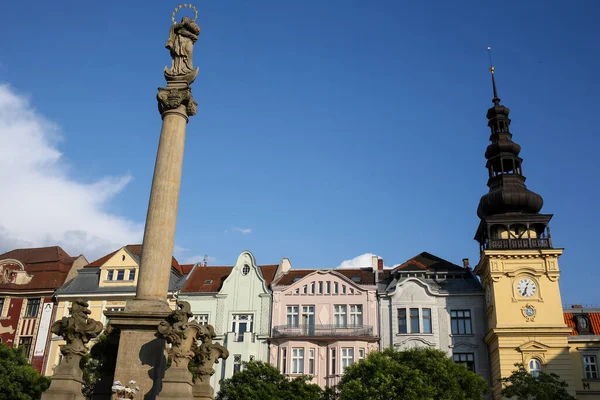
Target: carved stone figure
207,355
76,330
181,41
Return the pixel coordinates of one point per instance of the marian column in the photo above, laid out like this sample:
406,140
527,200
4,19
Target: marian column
141,354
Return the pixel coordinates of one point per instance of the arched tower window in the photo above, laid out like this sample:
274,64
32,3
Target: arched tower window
535,367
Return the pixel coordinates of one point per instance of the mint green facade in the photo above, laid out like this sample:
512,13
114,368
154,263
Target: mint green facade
240,313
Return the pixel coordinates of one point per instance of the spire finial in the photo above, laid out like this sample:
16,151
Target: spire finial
496,99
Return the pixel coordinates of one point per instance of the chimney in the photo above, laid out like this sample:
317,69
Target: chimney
380,264
576,306
466,264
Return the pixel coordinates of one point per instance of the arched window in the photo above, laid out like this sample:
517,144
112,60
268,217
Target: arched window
535,367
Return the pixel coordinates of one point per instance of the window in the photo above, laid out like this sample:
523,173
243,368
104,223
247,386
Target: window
123,258
328,287
414,320
132,274
311,361
402,327
308,319
339,315
535,367
332,362
466,359
361,353
590,367
461,322
347,357
110,275
356,315
120,274
284,360
241,323
115,309
201,319
335,288
1,305
208,281
321,287
427,320
297,360
293,316
246,269
237,363
25,342
33,306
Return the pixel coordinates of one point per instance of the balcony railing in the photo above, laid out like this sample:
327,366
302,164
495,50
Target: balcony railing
499,244
322,330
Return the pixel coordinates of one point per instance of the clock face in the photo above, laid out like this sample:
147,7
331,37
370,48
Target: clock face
526,287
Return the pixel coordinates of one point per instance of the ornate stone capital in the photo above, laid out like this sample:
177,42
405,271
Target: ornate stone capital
77,330
208,353
180,334
171,98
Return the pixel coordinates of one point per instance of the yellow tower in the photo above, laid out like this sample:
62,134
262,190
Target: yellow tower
518,266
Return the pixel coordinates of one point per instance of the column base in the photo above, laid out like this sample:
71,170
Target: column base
141,356
177,385
204,391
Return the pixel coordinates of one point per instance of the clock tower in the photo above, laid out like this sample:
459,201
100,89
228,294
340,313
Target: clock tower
518,265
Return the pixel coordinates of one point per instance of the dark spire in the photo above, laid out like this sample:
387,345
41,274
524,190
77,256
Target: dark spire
508,193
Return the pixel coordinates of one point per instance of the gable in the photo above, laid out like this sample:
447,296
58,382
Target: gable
323,282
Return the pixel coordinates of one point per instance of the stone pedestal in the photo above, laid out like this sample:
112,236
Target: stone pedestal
66,381
177,385
141,355
202,389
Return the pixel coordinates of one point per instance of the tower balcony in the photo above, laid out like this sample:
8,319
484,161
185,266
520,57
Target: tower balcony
504,244
322,331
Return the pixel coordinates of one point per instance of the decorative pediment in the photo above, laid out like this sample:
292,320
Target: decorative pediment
463,345
414,342
13,271
533,349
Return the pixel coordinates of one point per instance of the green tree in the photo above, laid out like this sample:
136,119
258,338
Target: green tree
524,386
259,381
416,374
18,379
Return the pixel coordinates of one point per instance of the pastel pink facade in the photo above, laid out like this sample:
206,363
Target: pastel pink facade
323,321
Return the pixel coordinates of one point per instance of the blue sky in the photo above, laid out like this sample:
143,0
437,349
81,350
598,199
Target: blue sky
326,129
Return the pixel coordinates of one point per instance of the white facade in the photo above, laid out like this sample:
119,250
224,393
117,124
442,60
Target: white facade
441,308
240,310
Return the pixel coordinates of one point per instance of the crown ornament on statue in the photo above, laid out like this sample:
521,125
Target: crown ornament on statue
179,7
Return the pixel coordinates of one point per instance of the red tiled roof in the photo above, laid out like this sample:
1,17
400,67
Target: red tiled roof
135,249
48,266
366,275
209,279
268,272
206,279
187,268
427,262
594,319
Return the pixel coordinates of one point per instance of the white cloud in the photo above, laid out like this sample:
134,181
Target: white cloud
41,204
243,231
362,261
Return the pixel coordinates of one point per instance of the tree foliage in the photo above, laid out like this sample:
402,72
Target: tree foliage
18,379
416,374
259,380
524,386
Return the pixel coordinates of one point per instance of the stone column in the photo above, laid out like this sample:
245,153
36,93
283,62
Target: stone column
141,355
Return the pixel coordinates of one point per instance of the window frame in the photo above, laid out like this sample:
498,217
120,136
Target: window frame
311,361
467,322
535,372
332,361
463,359
402,318
297,359
110,274
29,307
237,363
237,321
356,315
201,319
428,318
295,311
284,360
593,374
28,346
2,301
342,312
120,275
415,318
131,275
347,357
